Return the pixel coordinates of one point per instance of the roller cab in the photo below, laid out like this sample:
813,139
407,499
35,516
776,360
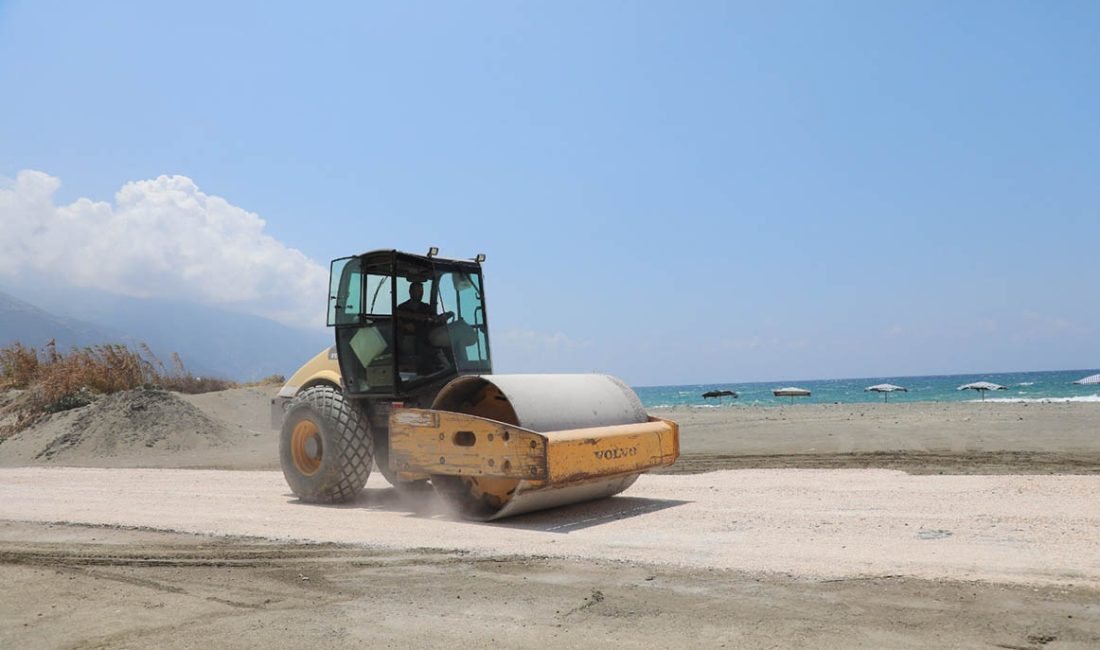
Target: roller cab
499,445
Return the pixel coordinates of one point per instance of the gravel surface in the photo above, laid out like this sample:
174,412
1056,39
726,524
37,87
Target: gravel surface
815,523
96,587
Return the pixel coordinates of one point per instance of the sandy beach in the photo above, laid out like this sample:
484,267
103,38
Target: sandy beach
821,525
922,437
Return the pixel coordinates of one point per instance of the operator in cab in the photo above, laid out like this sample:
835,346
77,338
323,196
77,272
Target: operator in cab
416,320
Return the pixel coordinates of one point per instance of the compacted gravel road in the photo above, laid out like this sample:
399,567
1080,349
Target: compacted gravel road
815,523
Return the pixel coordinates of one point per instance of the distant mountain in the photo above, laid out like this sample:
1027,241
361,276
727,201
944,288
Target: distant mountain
23,322
210,341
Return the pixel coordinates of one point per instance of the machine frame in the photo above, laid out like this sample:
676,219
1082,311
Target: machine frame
416,396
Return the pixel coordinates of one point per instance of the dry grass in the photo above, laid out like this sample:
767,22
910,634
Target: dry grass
18,365
51,380
181,380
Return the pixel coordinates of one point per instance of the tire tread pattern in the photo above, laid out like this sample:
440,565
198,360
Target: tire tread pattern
348,447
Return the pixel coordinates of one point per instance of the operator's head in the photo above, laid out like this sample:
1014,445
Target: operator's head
416,291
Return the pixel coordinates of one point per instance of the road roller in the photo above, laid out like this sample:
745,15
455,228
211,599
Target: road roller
415,396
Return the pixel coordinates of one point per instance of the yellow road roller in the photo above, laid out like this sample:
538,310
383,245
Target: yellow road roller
417,398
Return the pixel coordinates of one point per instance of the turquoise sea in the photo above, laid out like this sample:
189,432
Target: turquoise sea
1021,386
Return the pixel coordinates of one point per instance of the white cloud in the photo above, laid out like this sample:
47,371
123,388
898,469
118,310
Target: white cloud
161,238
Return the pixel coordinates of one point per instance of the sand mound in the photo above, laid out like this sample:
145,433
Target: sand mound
130,423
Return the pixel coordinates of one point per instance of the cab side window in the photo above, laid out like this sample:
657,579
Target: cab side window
345,291
379,295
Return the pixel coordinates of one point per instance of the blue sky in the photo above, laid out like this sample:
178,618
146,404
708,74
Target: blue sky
670,192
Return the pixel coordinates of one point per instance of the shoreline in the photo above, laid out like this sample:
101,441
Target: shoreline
1078,399
1028,386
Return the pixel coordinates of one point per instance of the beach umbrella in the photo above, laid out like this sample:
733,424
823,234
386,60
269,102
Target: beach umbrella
720,394
1091,379
791,392
982,386
885,389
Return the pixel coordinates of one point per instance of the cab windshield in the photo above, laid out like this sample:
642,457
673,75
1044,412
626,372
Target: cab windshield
460,293
405,322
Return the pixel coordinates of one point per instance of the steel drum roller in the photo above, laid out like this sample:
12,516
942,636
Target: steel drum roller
500,445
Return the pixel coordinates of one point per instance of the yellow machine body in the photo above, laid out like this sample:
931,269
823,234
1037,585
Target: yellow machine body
322,370
595,440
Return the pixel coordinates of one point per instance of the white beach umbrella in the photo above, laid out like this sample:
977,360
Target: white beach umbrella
982,386
885,389
1091,379
791,392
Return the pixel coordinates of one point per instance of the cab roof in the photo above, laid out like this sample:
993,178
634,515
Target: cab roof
390,253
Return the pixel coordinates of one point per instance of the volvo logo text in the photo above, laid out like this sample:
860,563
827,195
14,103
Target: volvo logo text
613,454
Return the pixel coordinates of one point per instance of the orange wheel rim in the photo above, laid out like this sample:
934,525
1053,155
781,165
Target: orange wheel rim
305,447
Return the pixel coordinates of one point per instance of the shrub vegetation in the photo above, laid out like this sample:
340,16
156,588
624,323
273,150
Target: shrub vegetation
49,380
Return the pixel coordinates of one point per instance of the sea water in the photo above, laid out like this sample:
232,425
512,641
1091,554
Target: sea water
1047,386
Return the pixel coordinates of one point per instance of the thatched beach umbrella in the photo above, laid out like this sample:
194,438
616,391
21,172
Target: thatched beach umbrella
1091,379
982,386
791,392
885,389
720,394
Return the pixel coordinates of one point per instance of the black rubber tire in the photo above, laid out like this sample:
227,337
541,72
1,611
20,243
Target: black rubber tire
347,449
